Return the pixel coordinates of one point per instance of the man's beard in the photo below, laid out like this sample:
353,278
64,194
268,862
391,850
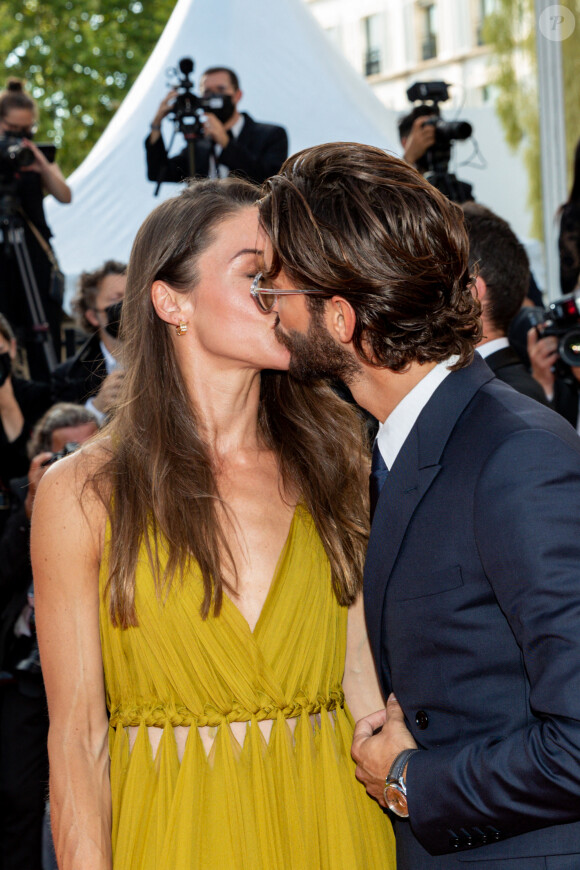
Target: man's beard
316,356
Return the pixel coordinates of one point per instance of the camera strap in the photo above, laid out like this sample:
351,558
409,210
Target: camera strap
41,241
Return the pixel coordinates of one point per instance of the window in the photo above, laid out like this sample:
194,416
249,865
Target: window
372,42
429,28
484,8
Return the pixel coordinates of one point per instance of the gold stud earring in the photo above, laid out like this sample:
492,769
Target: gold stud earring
182,328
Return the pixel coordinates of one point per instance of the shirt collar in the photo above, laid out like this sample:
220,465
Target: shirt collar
394,431
489,347
110,362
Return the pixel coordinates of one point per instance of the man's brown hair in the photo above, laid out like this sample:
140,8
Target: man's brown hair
352,220
88,290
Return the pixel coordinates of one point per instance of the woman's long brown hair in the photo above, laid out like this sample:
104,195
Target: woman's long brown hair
158,481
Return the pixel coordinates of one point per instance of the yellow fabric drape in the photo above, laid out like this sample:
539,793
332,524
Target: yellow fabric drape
291,802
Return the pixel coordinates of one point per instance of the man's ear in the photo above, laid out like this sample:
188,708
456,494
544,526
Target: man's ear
479,289
92,318
340,319
169,305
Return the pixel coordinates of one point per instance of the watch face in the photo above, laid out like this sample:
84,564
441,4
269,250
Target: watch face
396,800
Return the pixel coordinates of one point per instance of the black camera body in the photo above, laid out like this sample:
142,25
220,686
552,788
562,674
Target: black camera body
188,109
13,154
68,448
434,163
562,319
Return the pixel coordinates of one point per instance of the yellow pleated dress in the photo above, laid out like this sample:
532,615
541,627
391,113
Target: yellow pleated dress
290,802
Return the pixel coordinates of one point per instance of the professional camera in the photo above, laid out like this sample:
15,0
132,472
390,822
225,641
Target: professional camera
188,109
561,318
13,155
435,162
68,448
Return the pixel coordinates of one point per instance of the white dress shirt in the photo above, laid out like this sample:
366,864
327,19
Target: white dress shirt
221,171
491,346
394,431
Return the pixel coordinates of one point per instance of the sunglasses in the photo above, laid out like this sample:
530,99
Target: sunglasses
265,297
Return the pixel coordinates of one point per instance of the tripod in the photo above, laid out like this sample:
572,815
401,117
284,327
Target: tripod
14,247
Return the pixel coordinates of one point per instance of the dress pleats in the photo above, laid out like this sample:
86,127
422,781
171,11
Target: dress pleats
290,801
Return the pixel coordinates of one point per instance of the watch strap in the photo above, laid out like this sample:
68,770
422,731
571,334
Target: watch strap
399,764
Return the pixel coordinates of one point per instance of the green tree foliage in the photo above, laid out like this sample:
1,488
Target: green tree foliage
510,31
78,59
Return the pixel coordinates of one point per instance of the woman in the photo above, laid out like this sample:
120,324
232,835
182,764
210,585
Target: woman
22,403
27,185
218,534
569,241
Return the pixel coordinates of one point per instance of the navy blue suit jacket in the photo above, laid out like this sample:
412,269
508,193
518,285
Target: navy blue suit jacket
472,596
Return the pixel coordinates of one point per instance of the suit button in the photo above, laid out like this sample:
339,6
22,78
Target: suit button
421,719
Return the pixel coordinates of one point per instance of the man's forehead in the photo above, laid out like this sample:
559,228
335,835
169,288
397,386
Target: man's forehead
216,80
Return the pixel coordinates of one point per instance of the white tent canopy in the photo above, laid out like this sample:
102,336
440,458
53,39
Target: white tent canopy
290,73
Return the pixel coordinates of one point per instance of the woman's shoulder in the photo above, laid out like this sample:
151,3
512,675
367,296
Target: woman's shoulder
75,491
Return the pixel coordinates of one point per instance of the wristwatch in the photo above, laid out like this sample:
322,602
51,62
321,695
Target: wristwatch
395,792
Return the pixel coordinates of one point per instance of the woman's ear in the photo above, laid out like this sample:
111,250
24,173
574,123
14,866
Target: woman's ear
340,319
169,304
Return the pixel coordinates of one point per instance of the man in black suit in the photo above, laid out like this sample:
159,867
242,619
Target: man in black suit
472,580
232,142
93,376
502,269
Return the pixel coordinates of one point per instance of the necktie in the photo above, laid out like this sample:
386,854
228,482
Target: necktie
378,475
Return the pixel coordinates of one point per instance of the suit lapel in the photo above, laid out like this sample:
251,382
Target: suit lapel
413,472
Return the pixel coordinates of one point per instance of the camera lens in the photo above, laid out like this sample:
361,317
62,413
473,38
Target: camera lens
569,348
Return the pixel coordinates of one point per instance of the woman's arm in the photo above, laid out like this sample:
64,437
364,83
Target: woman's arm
11,416
52,178
360,682
66,542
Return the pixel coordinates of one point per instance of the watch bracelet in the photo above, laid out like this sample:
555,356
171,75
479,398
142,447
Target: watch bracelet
398,765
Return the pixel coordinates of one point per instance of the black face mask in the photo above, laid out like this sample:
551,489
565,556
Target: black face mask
5,367
113,313
224,108
21,134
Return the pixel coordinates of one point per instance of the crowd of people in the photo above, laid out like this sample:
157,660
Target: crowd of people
248,654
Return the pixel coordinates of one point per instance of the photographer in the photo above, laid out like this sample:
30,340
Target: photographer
560,382
230,141
93,376
23,187
23,713
22,402
416,135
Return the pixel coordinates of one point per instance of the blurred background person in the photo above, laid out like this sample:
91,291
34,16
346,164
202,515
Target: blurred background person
93,376
502,269
24,187
569,239
23,712
22,402
232,141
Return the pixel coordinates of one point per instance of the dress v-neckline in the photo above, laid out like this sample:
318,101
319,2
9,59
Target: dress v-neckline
273,582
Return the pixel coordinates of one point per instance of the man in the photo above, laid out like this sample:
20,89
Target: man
472,582
417,134
93,376
502,271
232,143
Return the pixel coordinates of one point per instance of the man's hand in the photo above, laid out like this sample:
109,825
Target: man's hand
543,354
214,129
421,137
374,753
108,395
